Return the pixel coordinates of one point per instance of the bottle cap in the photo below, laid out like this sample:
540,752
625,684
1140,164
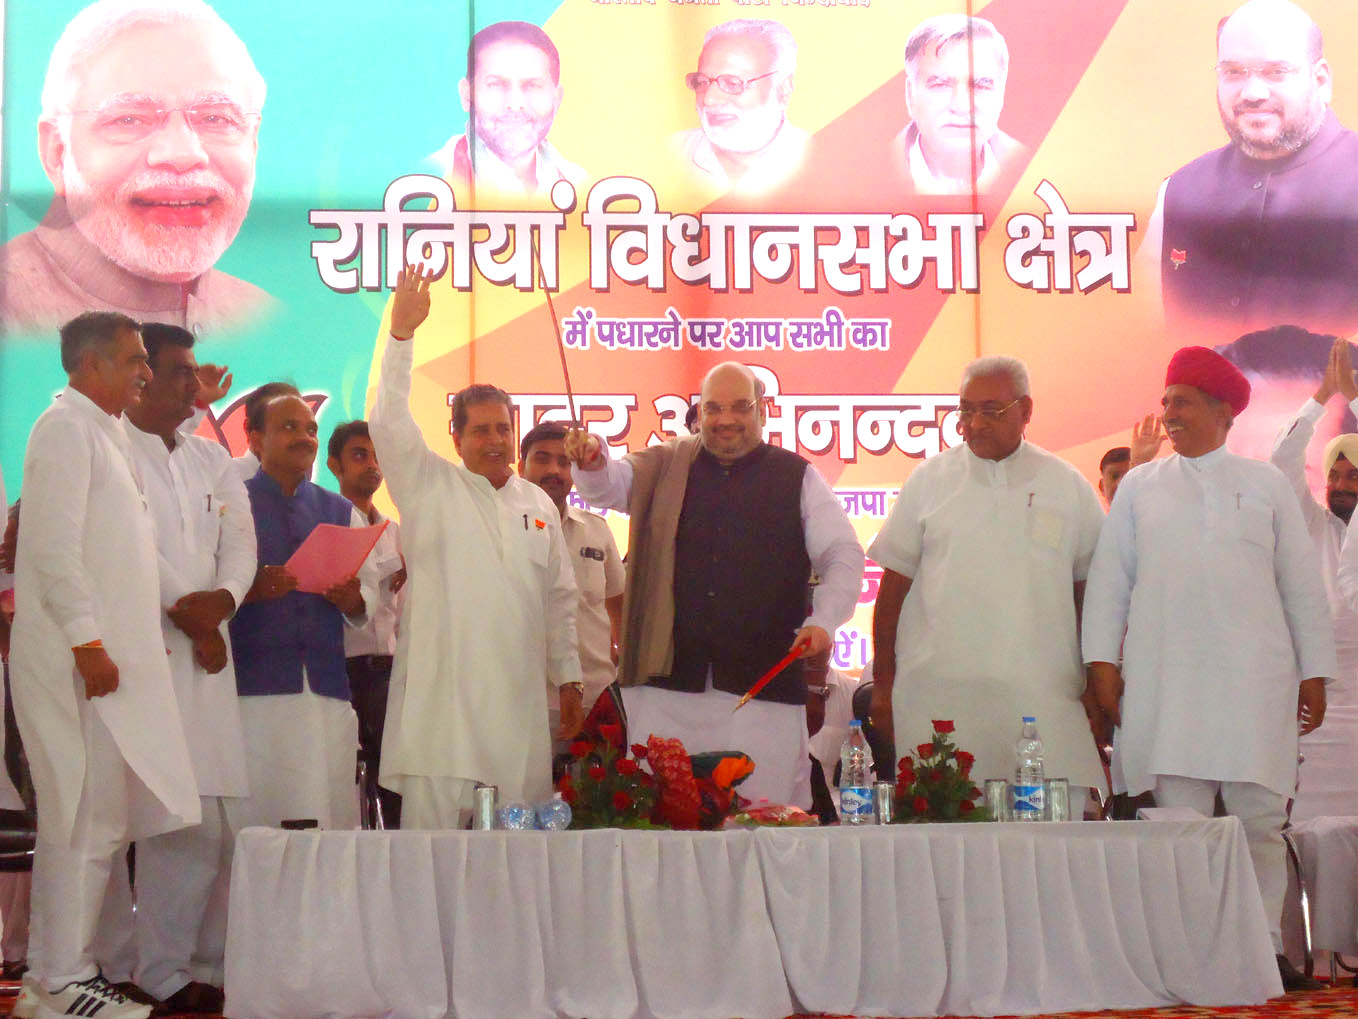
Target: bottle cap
1029,718
856,724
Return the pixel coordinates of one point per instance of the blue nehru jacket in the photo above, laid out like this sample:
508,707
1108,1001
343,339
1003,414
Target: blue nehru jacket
273,640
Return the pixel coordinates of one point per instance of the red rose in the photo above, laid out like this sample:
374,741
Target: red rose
639,751
621,801
570,796
942,726
965,761
921,805
596,772
925,749
973,792
580,749
626,766
966,807
612,733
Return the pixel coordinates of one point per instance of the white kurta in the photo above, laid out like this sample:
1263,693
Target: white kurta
489,615
378,635
600,575
1206,566
205,538
86,570
988,631
1327,786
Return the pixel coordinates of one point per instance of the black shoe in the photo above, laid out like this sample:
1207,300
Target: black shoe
196,998
133,992
1294,979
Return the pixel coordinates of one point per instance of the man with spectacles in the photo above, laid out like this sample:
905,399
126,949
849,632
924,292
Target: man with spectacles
742,86
1260,230
725,530
984,558
956,68
148,132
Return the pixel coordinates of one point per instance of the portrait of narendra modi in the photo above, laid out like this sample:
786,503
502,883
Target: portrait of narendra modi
148,132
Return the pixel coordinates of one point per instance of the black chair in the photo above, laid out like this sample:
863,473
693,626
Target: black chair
883,747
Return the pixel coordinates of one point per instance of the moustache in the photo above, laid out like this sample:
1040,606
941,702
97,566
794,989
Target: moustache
194,180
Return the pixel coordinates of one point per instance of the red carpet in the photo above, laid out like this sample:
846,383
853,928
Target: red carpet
1340,1002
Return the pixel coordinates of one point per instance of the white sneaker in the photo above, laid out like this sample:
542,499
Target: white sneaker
94,998
26,1004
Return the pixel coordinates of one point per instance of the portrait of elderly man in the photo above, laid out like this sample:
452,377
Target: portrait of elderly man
148,133
1260,230
511,94
742,86
956,68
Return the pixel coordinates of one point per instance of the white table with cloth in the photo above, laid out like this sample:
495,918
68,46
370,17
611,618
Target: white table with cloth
1328,850
905,920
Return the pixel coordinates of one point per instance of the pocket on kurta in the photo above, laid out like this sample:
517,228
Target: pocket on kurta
1046,527
1253,521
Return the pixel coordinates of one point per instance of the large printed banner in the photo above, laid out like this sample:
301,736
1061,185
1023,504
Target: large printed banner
857,197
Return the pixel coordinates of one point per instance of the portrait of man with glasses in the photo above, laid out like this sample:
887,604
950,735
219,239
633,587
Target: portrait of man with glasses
148,132
1260,230
742,86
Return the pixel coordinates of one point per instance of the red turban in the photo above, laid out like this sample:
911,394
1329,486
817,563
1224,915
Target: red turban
1208,371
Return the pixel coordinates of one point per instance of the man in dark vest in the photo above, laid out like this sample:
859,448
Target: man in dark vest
725,532
1260,231
301,735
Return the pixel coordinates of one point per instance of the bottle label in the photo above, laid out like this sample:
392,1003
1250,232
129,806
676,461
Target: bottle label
1029,801
855,801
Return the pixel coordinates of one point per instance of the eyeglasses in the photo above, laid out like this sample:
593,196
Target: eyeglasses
740,407
1276,73
728,83
985,413
125,123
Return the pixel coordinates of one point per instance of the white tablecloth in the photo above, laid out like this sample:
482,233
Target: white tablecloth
900,921
1328,848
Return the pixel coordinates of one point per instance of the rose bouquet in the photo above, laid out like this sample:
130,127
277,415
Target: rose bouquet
935,784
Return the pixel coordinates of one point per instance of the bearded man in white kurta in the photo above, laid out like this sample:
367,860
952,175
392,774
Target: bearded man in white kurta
91,683
205,541
1206,566
984,558
490,604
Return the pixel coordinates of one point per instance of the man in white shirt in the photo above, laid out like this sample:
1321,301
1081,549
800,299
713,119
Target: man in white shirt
742,88
92,686
594,556
725,532
14,887
985,555
956,69
511,94
205,542
1205,588
492,600
1326,784
369,649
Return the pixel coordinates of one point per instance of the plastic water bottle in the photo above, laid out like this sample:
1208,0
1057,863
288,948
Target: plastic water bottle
855,777
555,814
1028,793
